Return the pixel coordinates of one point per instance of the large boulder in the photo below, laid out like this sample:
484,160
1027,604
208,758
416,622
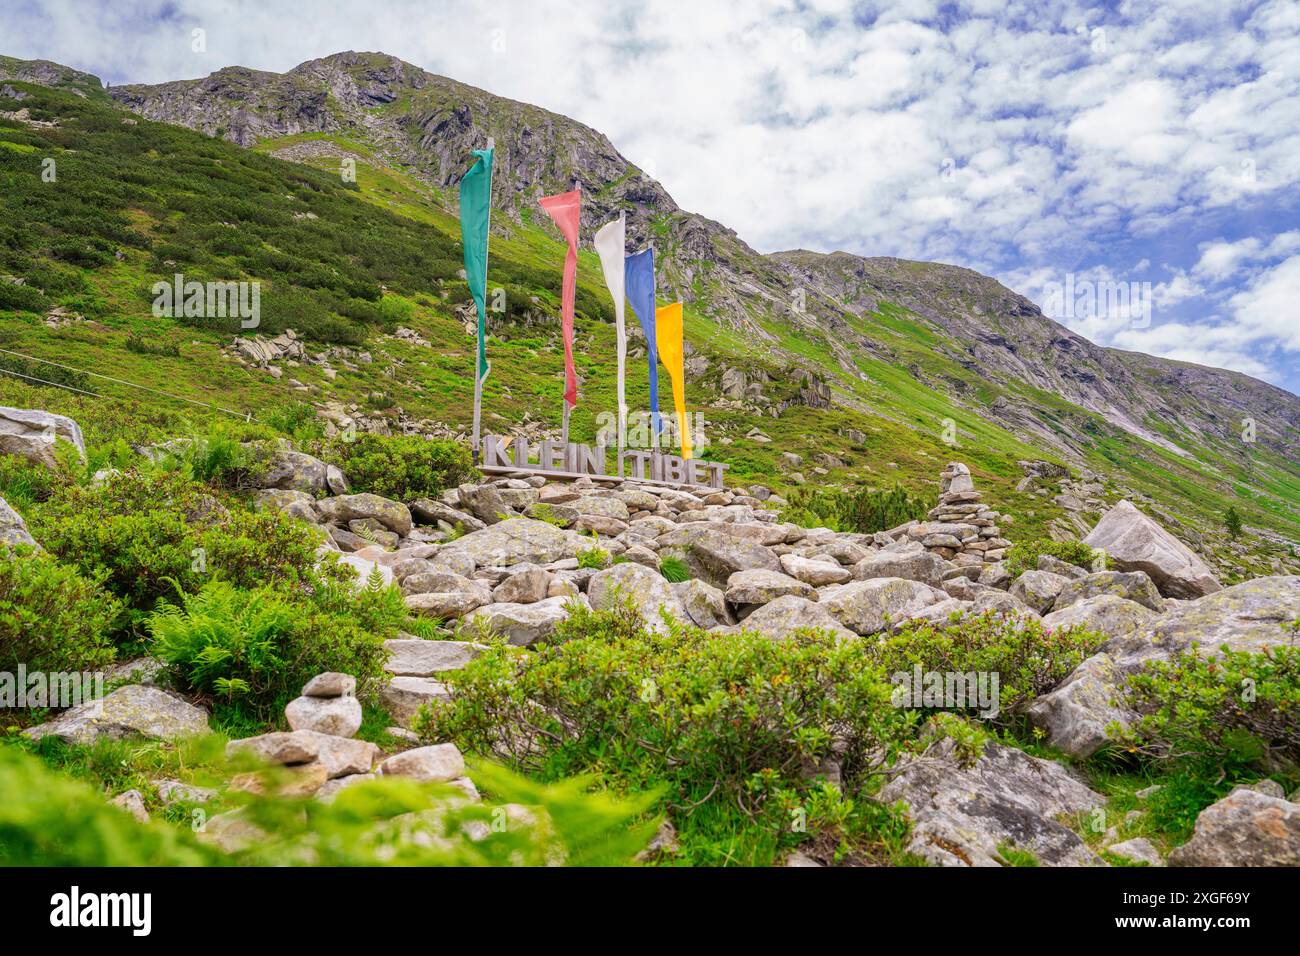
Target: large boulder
1245,828
393,515
290,470
1038,589
1107,614
649,593
296,504
705,605
907,559
33,434
779,618
13,530
715,555
1130,585
404,696
517,541
526,624
131,711
814,571
412,657
869,607
761,587
964,814
1251,617
1136,543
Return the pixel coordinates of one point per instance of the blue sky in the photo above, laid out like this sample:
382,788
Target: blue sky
1101,146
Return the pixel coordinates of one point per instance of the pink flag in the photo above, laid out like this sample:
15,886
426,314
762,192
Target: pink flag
566,210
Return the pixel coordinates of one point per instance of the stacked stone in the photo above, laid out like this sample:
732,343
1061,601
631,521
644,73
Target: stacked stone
961,529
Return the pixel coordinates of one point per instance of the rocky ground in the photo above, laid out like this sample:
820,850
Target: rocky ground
511,557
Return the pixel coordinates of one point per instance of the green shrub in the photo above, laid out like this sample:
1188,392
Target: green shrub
1024,556
145,533
47,819
401,467
861,510
1230,713
51,617
252,649
1027,658
705,714
24,483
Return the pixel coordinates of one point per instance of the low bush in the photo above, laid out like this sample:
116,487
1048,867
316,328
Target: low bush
1024,556
862,510
730,717
52,618
146,534
1222,715
1027,658
400,467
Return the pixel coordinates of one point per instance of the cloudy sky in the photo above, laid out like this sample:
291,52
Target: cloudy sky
1076,152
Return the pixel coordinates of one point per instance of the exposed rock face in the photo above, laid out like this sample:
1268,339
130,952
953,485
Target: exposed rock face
704,604
1136,543
404,696
393,515
962,815
762,587
130,711
1245,828
289,470
33,434
1246,617
905,559
13,530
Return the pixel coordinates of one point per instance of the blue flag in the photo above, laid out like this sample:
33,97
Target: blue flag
639,278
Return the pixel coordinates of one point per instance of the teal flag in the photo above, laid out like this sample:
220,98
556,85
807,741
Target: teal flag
475,215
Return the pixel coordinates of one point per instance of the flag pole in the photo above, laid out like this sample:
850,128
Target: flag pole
564,401
654,412
478,377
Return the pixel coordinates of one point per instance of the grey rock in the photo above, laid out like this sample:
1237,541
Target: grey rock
338,716
962,814
412,657
1136,543
649,593
330,684
516,541
404,696
133,803
393,515
704,604
295,471
1245,828
815,572
1038,589
1131,585
130,711
909,560
524,587
868,607
525,624
439,763
296,504
1139,850
761,587
33,434
779,618
1108,615
13,530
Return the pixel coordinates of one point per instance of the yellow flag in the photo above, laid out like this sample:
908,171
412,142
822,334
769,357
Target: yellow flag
668,338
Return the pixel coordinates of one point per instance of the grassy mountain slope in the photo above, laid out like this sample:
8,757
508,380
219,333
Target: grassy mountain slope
900,346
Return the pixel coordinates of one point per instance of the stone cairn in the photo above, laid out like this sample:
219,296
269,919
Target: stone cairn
961,529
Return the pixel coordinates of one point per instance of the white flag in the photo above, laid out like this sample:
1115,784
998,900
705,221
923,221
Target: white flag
609,243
